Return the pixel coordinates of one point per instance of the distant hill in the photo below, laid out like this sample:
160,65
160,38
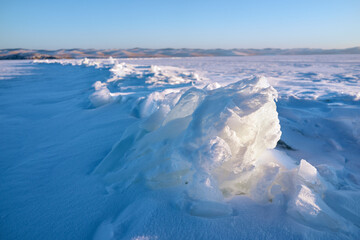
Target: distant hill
20,53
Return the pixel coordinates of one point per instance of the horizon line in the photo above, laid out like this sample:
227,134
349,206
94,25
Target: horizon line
195,48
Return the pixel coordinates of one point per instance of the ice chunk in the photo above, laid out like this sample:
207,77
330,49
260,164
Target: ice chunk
308,208
186,105
121,70
156,70
101,97
99,85
308,172
305,203
212,86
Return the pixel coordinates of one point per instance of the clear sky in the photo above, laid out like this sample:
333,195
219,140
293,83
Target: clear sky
54,24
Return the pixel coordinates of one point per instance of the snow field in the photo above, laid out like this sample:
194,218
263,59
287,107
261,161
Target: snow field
209,143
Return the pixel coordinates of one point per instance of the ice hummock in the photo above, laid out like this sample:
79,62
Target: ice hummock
204,143
210,145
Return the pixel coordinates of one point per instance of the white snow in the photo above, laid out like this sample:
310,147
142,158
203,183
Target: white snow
184,148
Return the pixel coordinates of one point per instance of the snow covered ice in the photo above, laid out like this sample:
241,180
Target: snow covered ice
182,148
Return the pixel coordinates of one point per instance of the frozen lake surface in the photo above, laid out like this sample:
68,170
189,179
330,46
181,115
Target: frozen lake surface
262,147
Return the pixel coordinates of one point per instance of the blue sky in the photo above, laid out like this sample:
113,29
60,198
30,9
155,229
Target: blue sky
55,24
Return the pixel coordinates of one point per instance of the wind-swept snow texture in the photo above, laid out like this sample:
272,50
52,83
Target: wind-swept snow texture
185,148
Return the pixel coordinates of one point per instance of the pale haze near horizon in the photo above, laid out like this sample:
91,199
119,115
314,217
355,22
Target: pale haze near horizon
179,24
